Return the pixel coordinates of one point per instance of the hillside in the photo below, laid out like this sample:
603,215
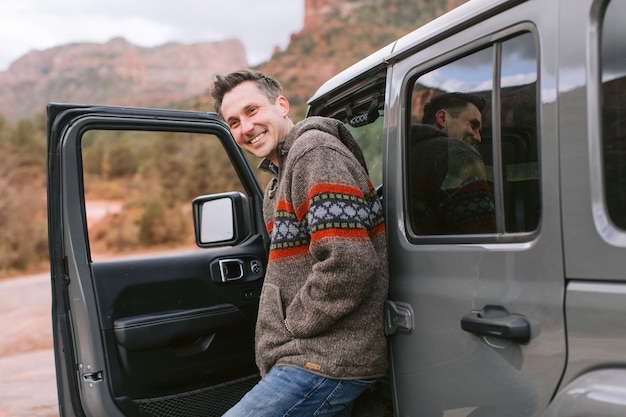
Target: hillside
335,35
116,72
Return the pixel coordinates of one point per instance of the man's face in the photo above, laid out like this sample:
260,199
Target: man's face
257,124
466,126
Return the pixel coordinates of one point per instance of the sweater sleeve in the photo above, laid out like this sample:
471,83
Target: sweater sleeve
333,196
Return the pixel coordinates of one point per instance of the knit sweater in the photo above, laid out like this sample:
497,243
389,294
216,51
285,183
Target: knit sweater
321,306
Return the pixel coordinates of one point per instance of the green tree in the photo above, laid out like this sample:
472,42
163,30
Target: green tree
94,151
120,158
169,166
161,225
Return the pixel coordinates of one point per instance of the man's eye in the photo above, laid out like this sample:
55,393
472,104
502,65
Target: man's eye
233,124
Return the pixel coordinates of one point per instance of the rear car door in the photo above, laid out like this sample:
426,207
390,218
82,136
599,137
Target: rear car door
478,314
145,322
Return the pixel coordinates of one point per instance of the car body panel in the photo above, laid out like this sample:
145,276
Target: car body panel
444,281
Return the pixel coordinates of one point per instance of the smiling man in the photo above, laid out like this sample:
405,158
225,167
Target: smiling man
319,338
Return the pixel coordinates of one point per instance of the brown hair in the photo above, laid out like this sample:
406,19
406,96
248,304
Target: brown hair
224,83
453,103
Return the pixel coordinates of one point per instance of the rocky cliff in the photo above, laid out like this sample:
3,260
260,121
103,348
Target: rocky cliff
116,72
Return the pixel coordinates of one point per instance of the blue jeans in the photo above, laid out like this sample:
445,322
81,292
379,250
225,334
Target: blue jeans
290,392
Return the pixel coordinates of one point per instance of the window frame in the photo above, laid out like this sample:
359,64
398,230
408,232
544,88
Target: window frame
247,184
494,41
612,231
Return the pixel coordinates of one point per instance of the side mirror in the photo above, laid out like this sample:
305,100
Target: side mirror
220,219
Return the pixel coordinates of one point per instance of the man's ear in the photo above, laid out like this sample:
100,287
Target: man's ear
284,103
441,119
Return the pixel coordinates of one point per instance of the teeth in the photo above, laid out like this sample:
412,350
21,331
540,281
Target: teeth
257,138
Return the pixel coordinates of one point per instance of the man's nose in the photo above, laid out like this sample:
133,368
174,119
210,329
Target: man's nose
246,126
477,137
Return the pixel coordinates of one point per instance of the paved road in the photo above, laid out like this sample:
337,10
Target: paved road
27,380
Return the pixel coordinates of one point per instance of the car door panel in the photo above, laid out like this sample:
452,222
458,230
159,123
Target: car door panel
170,321
489,331
159,334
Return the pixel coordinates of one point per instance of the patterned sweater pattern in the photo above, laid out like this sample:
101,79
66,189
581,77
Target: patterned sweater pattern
321,306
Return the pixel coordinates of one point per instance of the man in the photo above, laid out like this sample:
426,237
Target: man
319,337
450,193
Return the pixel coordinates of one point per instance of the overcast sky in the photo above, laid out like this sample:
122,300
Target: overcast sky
41,24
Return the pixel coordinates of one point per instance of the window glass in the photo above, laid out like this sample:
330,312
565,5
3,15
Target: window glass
518,136
363,115
449,184
370,139
467,175
614,111
139,187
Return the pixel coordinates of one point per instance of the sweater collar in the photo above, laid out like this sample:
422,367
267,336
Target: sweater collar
327,125
268,166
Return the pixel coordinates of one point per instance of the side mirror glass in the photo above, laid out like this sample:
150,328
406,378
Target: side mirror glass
217,221
220,219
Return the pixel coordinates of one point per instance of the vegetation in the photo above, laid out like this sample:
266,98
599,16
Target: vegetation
155,175
23,246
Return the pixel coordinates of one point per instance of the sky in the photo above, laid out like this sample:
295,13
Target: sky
27,25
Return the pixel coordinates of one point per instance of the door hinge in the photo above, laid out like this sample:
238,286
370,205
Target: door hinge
398,317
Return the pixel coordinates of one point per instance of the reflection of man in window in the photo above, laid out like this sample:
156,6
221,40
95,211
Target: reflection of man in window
457,115
449,189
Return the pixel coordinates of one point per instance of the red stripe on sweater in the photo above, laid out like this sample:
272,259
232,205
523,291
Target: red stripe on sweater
283,205
335,188
378,229
346,233
327,188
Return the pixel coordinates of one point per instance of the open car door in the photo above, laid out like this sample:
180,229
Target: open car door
159,331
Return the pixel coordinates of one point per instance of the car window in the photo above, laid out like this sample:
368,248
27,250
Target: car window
370,139
139,186
614,112
469,185
363,114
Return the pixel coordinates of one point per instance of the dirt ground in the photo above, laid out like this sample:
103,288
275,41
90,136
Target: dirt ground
27,378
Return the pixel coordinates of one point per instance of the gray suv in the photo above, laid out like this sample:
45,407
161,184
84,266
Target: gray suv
525,319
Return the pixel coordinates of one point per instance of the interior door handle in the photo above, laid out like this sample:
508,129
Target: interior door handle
231,269
497,321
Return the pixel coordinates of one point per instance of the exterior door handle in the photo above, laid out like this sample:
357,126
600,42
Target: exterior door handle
497,321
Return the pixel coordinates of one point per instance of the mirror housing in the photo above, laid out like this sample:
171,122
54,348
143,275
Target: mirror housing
220,219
